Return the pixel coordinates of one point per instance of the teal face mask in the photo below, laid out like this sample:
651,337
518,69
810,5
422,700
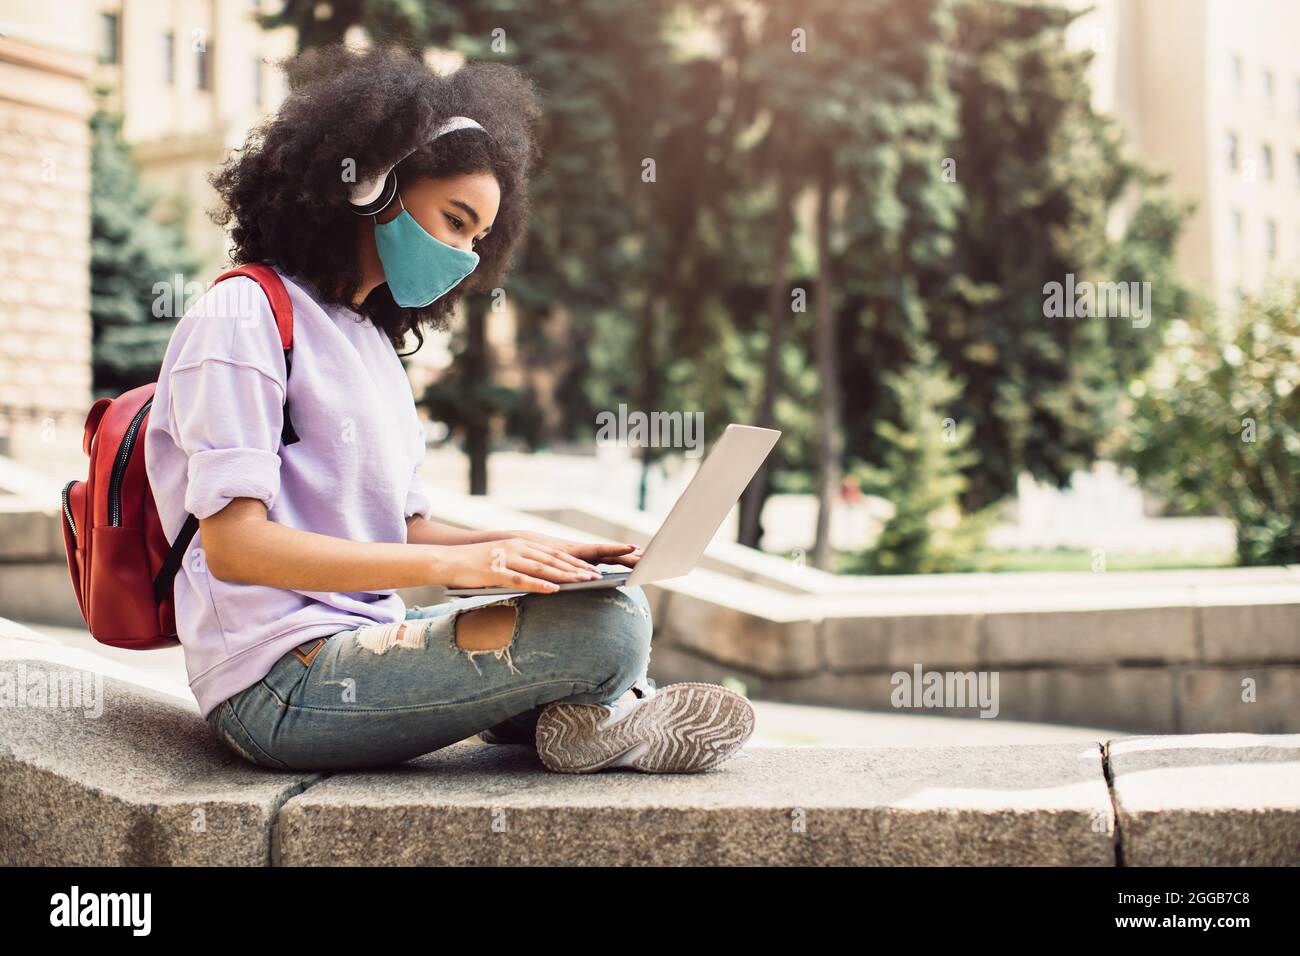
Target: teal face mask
419,267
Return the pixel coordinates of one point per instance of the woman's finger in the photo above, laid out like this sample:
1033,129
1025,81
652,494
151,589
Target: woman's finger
558,562
566,557
524,582
601,552
585,570
538,567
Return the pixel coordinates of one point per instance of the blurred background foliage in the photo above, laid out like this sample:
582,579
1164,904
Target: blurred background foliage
1215,422
848,243
127,242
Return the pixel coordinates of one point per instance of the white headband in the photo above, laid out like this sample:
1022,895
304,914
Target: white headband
368,190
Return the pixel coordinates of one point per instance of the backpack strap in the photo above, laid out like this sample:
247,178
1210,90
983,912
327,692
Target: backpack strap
162,584
282,309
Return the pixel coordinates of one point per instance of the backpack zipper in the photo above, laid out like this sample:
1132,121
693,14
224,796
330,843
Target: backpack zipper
119,466
67,509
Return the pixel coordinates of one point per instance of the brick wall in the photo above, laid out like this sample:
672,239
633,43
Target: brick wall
45,328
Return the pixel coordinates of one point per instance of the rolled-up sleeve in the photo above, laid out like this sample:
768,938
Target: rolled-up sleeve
227,416
417,502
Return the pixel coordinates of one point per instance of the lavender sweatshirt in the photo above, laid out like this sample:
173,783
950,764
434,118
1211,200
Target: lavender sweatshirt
214,435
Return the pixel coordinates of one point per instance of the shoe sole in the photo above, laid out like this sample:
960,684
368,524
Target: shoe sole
682,728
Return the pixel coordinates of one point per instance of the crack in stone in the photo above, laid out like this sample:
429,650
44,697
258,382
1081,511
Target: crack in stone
1109,773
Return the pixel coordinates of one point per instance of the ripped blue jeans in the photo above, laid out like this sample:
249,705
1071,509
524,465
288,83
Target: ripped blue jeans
383,693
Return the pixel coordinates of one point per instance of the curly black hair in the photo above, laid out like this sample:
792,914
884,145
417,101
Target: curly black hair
285,192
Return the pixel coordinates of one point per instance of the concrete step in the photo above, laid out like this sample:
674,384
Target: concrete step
108,770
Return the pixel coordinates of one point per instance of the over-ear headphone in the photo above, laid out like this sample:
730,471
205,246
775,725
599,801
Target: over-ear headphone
372,195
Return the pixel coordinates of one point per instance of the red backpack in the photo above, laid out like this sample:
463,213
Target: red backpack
122,565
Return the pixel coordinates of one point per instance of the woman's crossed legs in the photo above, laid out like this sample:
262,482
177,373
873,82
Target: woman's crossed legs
381,694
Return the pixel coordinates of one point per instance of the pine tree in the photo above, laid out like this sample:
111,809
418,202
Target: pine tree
925,454
131,254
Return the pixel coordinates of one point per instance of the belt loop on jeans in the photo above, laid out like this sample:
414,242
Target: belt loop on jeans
306,658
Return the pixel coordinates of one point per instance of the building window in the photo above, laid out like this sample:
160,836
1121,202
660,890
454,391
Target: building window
1270,239
1297,168
257,81
1238,226
169,57
1268,85
108,38
1233,156
1238,75
203,66
1266,159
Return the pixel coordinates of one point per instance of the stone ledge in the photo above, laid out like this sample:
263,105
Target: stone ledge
144,782
1208,799
467,805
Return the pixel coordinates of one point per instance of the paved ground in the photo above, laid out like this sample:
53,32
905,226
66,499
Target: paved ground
785,725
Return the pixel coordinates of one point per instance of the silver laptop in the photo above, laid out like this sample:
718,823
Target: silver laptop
690,526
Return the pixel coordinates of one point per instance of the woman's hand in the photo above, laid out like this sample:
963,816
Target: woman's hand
516,562
625,554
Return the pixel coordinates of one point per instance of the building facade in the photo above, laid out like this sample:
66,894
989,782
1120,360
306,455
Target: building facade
1209,91
45,328
189,79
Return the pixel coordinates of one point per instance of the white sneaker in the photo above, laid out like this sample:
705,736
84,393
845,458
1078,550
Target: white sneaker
506,733
681,728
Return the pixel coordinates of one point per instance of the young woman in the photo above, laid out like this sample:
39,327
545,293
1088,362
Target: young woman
300,652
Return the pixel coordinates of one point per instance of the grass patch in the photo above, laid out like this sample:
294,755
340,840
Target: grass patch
1064,559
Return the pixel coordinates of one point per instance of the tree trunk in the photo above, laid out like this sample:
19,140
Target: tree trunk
477,428
649,389
830,437
778,306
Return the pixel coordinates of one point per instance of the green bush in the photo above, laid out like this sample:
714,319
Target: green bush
1216,422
